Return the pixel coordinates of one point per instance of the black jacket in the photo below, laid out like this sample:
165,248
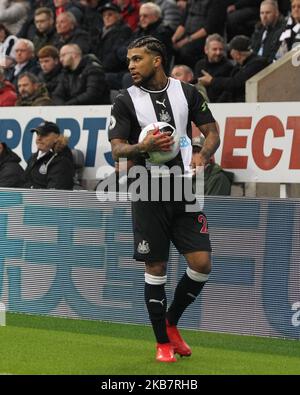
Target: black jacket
77,36
270,42
85,85
41,39
11,172
220,69
233,87
246,3
51,171
51,79
108,44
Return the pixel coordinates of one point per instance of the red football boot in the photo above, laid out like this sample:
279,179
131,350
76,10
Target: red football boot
165,352
180,346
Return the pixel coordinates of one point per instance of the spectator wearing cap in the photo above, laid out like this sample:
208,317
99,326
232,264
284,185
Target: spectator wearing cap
215,63
8,95
11,172
247,65
68,32
51,167
217,182
115,33
32,92
82,81
265,39
51,68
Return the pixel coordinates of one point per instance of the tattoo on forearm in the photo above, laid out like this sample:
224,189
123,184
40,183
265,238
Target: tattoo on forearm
122,150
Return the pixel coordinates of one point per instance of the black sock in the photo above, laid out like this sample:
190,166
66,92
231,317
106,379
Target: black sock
156,302
186,292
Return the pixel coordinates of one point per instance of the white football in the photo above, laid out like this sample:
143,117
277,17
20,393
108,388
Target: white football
159,157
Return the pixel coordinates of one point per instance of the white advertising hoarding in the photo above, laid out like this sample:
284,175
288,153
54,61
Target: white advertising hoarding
260,142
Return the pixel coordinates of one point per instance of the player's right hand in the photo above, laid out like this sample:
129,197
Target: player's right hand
157,141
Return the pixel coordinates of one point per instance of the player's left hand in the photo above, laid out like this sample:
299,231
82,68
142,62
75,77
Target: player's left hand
199,161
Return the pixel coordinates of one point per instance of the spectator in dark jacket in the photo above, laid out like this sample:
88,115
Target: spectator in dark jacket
114,34
248,64
8,95
51,68
265,39
83,79
45,28
24,50
32,92
11,172
202,17
92,20
242,15
51,167
215,63
69,33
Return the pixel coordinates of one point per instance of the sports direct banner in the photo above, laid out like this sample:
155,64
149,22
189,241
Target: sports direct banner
259,141
64,253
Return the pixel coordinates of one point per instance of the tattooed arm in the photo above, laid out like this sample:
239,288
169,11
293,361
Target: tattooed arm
211,144
152,142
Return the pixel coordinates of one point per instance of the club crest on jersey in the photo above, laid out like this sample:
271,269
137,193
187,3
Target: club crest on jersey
143,247
164,116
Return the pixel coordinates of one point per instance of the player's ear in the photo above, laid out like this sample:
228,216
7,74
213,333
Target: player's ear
157,61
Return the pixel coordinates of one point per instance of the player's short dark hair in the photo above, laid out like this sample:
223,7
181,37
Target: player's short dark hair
151,44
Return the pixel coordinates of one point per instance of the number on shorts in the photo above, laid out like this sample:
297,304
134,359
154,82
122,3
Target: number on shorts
202,220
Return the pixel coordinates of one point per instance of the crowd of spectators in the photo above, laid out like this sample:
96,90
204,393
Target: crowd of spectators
74,51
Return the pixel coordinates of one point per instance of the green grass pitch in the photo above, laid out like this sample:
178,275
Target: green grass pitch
46,345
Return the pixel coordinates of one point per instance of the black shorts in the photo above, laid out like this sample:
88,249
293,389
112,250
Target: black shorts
155,224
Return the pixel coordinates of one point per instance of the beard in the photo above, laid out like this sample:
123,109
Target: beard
144,81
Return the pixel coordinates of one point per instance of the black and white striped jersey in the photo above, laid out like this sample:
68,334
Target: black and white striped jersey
178,104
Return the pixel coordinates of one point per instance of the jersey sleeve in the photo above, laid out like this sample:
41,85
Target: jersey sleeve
199,111
120,124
